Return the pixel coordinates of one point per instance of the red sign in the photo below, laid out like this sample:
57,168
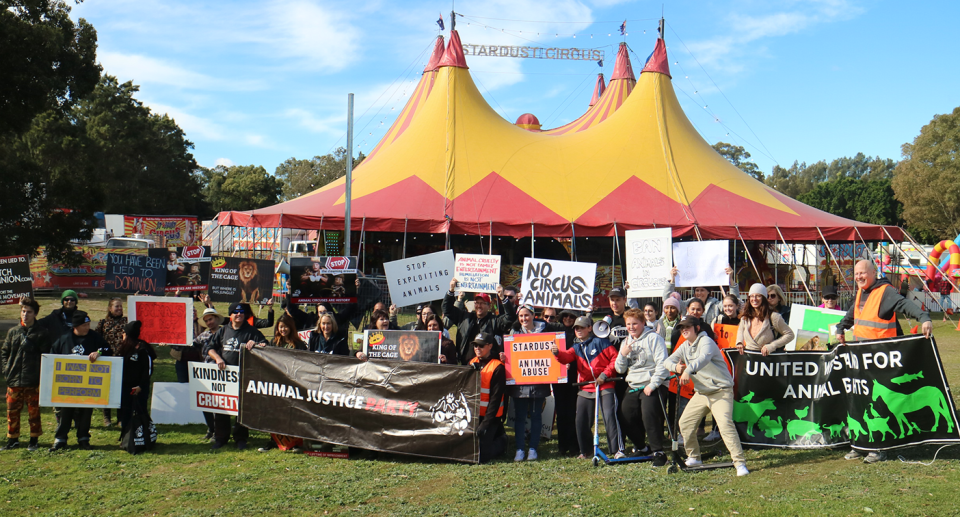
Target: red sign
217,401
338,263
192,252
162,322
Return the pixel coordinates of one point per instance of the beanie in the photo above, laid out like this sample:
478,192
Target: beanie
671,302
69,293
758,289
132,329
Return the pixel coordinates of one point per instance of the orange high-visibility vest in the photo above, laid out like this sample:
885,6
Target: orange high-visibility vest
867,323
486,374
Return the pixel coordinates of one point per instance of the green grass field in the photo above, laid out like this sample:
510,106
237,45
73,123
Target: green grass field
183,477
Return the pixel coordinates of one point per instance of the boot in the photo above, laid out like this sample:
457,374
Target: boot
58,446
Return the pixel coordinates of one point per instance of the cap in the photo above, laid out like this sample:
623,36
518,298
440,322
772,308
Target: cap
830,292
235,307
132,329
69,293
690,321
569,313
210,310
672,302
79,318
758,289
484,338
617,291
482,296
583,321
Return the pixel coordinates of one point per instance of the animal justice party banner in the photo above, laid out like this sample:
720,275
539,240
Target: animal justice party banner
874,395
401,407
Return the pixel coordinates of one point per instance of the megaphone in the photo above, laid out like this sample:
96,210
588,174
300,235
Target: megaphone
283,268
601,328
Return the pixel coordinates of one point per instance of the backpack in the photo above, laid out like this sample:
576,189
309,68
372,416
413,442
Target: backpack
141,434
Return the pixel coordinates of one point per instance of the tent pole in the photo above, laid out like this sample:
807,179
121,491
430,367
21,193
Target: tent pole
834,257
613,253
869,251
573,242
316,249
531,240
360,246
749,256
796,269
491,239
404,238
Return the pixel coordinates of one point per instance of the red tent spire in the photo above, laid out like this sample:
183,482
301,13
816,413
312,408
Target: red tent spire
453,56
598,90
658,60
623,69
434,62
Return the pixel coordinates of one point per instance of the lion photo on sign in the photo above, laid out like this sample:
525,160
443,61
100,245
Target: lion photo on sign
249,278
409,345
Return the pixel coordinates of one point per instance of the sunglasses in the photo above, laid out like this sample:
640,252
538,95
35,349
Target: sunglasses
549,318
238,311
74,300
481,345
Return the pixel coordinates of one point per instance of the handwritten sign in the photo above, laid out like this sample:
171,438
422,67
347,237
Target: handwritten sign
558,283
419,279
323,279
477,273
530,361
214,390
701,264
726,338
74,381
15,279
165,320
135,273
648,261
402,345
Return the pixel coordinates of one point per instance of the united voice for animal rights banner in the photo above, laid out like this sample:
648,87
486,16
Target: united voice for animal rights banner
323,279
73,381
165,320
135,273
15,279
874,395
477,273
530,361
188,267
402,345
648,261
558,283
393,406
236,279
419,279
213,389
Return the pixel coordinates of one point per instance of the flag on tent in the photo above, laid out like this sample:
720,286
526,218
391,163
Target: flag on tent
440,21
623,28
600,63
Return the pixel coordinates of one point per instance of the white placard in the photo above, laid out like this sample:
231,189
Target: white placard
170,404
75,381
213,389
702,263
648,261
477,273
558,283
419,279
159,324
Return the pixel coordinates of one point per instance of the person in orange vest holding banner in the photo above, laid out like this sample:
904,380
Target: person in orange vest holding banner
493,384
874,316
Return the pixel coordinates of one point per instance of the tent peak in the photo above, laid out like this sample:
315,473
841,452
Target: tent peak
658,62
598,89
453,56
434,62
529,122
623,69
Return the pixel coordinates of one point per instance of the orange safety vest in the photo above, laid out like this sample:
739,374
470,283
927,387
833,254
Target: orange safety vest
485,375
867,323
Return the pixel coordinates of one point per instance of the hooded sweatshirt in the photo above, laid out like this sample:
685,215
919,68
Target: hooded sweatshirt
707,368
644,363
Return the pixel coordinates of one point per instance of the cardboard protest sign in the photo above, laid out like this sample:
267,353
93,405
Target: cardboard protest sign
558,283
422,346
477,273
323,279
811,326
135,273
419,279
165,320
236,279
530,361
73,381
648,261
15,279
214,390
188,267
726,337
701,263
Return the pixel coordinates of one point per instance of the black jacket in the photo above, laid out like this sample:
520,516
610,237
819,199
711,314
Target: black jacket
337,345
228,342
72,344
20,354
468,326
137,368
58,322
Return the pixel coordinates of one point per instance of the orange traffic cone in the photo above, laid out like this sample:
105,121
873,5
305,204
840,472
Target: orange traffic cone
958,325
916,328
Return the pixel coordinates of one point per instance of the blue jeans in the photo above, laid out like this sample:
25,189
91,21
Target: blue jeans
521,406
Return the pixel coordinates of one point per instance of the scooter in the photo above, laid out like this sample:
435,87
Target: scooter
598,454
678,463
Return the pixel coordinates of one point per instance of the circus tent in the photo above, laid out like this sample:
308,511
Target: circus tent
450,163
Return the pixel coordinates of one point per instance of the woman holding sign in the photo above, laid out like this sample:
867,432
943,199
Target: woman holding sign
760,324
326,338
730,311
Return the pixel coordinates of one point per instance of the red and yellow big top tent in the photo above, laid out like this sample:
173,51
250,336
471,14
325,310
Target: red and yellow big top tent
450,163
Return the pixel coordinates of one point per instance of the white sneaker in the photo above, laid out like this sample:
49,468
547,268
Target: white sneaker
619,455
853,455
519,456
531,455
742,470
713,436
693,462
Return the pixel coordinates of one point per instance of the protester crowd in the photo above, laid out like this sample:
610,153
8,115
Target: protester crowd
626,369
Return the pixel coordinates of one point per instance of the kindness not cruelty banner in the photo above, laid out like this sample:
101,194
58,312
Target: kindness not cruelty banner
393,406
873,395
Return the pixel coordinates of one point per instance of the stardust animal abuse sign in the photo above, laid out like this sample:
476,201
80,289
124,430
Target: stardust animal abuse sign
558,283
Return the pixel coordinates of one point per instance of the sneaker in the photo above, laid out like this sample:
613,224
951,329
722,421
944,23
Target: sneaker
12,443
106,422
659,459
619,455
57,446
216,445
582,457
209,436
875,457
32,446
85,445
532,455
693,462
641,452
742,470
853,455
519,455
713,436
241,446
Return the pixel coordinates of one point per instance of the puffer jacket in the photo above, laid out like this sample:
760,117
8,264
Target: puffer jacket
20,354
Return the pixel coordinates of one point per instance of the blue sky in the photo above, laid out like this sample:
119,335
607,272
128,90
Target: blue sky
257,82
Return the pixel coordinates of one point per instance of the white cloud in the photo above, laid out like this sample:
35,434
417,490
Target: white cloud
145,70
333,125
226,162
192,125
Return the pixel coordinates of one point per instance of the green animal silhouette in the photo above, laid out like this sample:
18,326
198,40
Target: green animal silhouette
750,412
877,424
900,404
907,377
834,429
770,427
854,429
801,427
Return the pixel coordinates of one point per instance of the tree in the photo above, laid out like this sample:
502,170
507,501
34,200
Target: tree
240,187
737,155
868,201
798,179
301,177
927,180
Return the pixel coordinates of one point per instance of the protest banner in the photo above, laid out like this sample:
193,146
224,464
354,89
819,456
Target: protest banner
214,390
558,283
873,395
89,273
477,273
166,230
648,261
74,381
530,361
165,320
701,263
188,267
135,273
15,279
403,407
323,279
811,326
419,279
402,345
236,279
